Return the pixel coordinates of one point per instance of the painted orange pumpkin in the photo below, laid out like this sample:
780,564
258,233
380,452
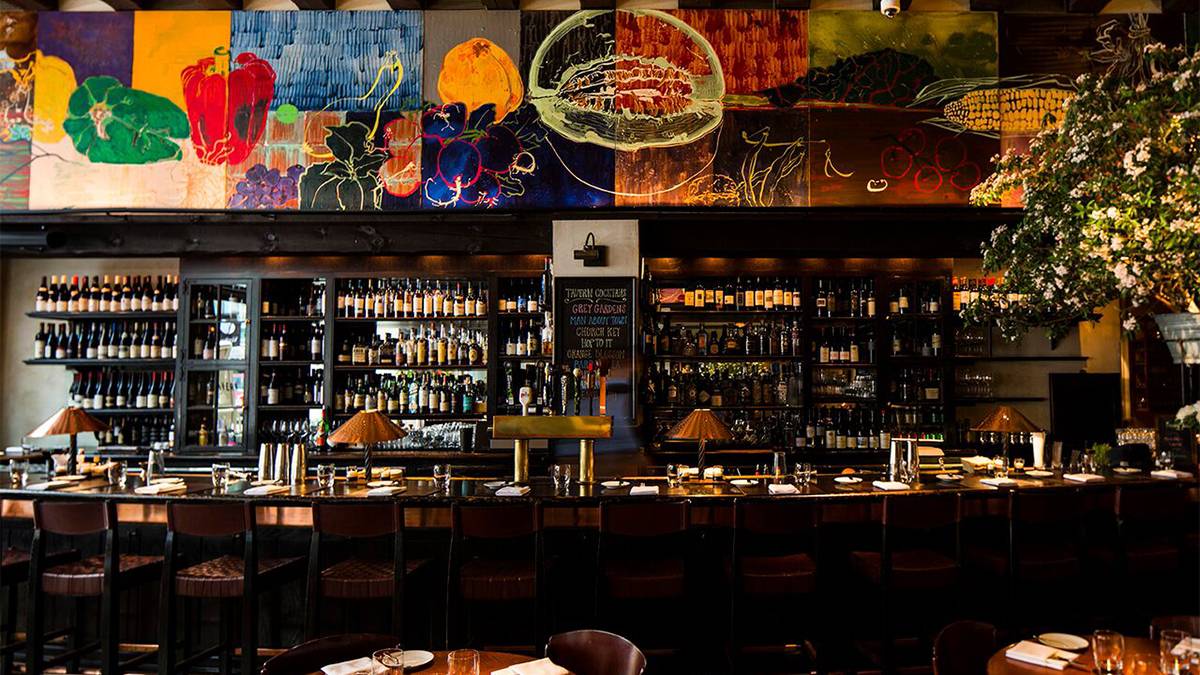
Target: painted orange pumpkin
478,72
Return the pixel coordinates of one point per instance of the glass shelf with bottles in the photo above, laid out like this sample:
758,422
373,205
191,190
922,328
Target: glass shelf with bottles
525,297
732,295
137,432
916,300
761,339
749,429
527,339
911,339
427,345
137,296
122,392
843,427
411,299
413,395
216,408
219,322
105,343
762,386
288,300
279,390
844,299
847,383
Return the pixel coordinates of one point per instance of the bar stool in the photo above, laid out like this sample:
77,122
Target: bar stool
918,554
641,557
223,578
357,578
103,576
774,558
13,572
1150,525
495,557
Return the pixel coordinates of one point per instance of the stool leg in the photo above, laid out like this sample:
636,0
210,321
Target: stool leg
166,608
35,630
249,634
227,636
10,628
73,640
110,634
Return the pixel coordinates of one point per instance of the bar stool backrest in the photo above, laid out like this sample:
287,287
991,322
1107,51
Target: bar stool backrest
595,652
921,512
651,519
1053,507
357,521
210,520
776,527
508,521
74,518
1150,503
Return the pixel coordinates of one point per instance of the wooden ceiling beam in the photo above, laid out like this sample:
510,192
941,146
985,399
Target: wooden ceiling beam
128,5
316,5
35,5
1084,6
987,5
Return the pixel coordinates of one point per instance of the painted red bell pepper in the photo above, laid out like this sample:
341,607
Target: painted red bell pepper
227,105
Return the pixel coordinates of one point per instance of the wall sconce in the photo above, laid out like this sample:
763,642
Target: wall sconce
591,254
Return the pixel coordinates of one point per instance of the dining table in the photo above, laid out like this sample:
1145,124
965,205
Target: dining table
1000,664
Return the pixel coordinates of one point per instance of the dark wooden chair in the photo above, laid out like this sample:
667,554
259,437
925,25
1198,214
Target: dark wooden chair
641,554
595,652
964,647
919,554
223,579
496,556
774,559
14,572
103,576
357,578
313,655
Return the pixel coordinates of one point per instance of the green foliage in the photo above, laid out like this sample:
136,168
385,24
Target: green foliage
1112,203
110,123
1101,455
350,181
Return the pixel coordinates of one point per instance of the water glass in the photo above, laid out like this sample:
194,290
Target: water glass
441,477
354,473
462,662
999,467
561,475
1141,663
1108,651
1168,663
325,474
683,472
18,472
388,662
220,475
804,473
778,464
117,475
672,475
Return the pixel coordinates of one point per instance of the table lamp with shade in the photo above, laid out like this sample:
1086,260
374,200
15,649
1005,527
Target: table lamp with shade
1006,420
70,421
700,425
367,428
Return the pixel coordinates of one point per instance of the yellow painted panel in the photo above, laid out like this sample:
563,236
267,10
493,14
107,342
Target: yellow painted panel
164,43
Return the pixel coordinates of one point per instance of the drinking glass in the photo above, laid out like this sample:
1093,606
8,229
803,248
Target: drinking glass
779,464
804,473
561,475
462,662
1108,651
683,472
1141,663
672,475
220,475
18,472
1168,663
116,474
399,474
999,467
441,477
354,473
388,662
325,473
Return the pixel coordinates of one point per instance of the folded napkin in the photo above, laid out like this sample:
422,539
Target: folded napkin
890,485
539,667
1040,655
1171,474
513,491
782,489
264,490
385,491
1083,477
1187,645
998,482
161,488
643,490
362,665
48,485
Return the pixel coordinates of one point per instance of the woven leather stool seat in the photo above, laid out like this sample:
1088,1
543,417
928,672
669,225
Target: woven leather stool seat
15,566
778,574
645,579
86,577
1041,563
223,577
496,580
911,570
358,578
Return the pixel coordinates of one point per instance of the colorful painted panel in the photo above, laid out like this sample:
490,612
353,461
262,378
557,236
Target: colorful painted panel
405,110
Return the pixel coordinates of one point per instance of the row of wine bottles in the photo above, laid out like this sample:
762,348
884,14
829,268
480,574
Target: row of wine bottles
719,385
300,343
990,291
749,295
774,338
413,394
118,390
138,293
309,302
529,339
106,340
277,388
423,345
528,295
409,299
139,431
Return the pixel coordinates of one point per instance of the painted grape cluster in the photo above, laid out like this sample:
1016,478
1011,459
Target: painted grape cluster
264,188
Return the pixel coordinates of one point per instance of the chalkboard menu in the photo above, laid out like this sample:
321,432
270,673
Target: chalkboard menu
595,322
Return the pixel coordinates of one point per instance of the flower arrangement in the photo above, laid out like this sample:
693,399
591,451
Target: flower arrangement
1112,202
1188,417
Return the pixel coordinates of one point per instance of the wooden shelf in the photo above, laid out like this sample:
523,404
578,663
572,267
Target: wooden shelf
730,358
289,407
968,400
284,364
411,319
663,311
679,408
915,315
130,411
287,318
101,316
540,357
103,363
521,315
844,365
429,417
1008,359
357,368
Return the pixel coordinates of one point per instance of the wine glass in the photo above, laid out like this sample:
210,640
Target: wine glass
462,662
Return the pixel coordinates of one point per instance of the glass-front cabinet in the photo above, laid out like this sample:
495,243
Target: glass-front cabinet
215,366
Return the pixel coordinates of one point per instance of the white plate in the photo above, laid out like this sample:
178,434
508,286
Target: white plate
1039,473
949,476
1063,641
73,478
743,481
381,483
615,484
847,479
415,658
1126,469
494,485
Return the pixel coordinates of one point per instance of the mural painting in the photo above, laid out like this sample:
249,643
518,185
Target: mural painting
384,110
